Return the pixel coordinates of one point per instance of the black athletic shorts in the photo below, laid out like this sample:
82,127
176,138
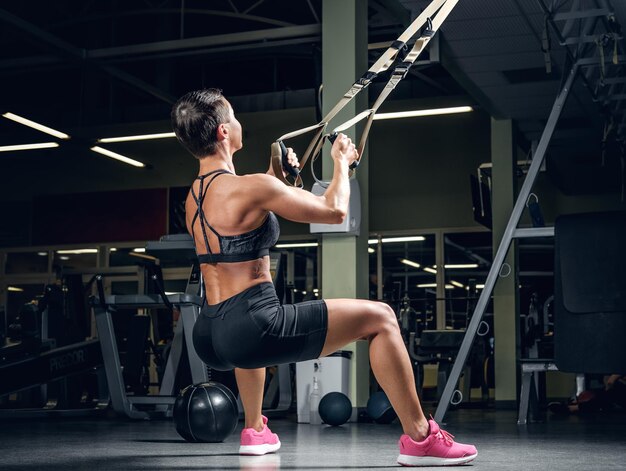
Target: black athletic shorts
252,330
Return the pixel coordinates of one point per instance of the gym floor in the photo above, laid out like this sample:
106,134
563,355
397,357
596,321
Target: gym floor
571,443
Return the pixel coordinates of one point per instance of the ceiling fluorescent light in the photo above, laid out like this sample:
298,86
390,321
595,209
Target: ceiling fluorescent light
139,137
430,270
296,245
370,250
15,289
116,156
418,113
457,284
433,285
461,265
40,145
391,240
139,250
76,251
34,125
410,263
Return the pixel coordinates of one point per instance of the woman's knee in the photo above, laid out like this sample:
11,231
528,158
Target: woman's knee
383,318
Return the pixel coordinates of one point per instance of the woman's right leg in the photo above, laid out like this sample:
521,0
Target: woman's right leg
251,383
353,319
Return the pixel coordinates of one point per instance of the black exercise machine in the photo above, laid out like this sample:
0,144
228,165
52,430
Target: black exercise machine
589,302
48,366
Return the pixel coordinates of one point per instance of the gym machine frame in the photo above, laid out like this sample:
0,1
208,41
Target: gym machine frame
512,231
189,307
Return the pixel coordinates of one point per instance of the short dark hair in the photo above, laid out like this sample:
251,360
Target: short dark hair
195,118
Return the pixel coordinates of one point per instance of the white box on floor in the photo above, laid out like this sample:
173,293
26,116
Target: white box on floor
333,374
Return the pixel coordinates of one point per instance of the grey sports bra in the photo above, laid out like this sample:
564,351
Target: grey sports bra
238,248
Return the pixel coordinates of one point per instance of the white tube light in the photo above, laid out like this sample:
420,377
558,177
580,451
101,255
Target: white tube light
418,113
116,156
410,263
296,245
391,240
461,265
433,285
139,137
42,254
139,250
76,251
39,145
430,270
477,287
34,125
15,289
457,284
370,250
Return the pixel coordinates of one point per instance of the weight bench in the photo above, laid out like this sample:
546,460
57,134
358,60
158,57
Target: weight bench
528,393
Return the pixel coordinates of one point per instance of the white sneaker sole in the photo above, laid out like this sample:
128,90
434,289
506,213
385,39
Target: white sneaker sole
409,460
258,450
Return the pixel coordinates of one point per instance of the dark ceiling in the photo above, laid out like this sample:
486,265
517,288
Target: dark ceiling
84,66
77,64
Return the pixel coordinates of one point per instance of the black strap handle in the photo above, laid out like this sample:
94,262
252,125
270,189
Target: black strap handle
293,171
331,138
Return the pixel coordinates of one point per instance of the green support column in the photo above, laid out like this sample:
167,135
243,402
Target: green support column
345,261
505,294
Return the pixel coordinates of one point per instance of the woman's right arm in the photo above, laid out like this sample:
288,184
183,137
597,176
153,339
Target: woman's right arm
299,205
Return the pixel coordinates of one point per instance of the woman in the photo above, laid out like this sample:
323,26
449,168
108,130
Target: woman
243,326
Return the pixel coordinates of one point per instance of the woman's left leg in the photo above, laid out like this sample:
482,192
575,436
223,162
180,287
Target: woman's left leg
251,384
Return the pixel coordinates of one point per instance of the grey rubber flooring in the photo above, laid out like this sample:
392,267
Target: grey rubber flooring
572,443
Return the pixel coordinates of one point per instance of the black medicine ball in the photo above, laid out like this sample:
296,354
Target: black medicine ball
335,408
206,412
379,408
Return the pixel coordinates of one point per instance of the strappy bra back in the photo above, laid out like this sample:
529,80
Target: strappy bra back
238,248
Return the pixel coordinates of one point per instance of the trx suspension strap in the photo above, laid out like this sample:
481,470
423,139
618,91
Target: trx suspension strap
427,24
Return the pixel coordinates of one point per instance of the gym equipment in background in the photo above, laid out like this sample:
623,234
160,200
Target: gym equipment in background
206,412
380,409
188,304
48,363
578,60
590,293
589,305
438,347
335,408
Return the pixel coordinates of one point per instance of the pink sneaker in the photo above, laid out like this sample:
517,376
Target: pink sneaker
437,449
258,443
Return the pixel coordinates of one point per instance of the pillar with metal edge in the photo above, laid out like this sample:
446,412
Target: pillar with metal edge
345,261
505,293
